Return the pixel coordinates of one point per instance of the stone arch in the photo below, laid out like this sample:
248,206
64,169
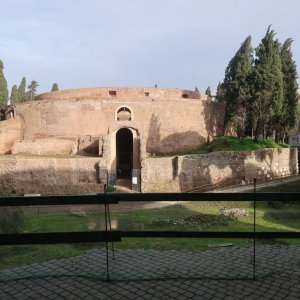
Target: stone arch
21,117
136,161
127,109
124,152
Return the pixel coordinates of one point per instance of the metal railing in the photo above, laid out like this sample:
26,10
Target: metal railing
109,235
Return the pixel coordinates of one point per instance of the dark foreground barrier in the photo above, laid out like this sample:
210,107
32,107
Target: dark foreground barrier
109,235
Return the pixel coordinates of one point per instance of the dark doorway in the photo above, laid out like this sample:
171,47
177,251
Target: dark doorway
124,152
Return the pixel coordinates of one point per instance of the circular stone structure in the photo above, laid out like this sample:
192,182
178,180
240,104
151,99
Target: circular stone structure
119,125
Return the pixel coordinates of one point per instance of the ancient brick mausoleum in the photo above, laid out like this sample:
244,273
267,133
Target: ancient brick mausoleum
119,126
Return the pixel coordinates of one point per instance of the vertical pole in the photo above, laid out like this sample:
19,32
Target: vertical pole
254,232
106,242
109,221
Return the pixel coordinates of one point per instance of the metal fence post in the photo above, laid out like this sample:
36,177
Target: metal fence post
254,231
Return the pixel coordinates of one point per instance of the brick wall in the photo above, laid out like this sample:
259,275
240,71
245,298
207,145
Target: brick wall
49,175
161,119
217,169
10,131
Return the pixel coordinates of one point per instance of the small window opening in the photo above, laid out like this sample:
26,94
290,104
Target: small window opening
124,114
112,93
147,94
185,96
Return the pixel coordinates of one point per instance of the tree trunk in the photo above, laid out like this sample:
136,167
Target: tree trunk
257,130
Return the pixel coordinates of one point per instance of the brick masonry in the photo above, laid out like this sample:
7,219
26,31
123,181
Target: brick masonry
10,131
50,175
160,118
217,169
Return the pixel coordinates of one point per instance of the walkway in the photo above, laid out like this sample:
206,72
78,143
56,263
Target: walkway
153,274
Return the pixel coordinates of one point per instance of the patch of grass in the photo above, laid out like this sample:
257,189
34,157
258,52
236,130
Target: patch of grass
13,256
8,193
229,143
189,216
56,223
12,219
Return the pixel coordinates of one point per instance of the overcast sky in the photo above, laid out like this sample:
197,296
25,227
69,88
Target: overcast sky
171,43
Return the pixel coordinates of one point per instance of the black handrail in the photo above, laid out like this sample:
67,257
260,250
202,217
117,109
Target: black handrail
114,198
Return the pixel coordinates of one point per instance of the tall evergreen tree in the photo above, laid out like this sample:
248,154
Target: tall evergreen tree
290,106
236,88
14,95
54,87
196,89
32,90
3,89
21,90
268,84
219,94
208,91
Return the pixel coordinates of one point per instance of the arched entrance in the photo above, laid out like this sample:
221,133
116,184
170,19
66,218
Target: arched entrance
124,152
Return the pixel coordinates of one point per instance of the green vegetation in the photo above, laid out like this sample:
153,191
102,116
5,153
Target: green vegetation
14,98
32,90
54,87
3,89
187,216
208,91
261,90
12,219
230,143
267,85
13,256
21,90
236,89
290,88
19,94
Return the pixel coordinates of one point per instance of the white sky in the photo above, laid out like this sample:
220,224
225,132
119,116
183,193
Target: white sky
172,43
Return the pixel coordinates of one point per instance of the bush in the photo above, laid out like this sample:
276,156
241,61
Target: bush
12,219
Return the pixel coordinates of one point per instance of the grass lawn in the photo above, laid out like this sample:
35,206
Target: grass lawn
193,216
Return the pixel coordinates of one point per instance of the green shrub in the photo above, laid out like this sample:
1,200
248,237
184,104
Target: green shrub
12,219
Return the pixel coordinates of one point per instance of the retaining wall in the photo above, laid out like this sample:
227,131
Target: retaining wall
216,170
49,175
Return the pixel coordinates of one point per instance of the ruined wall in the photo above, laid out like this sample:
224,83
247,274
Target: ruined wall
10,131
162,118
120,92
217,169
49,176
46,146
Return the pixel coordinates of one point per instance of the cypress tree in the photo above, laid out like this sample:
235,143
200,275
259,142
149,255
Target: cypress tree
54,87
3,88
196,89
14,95
32,90
21,90
208,91
220,92
290,107
236,89
268,84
